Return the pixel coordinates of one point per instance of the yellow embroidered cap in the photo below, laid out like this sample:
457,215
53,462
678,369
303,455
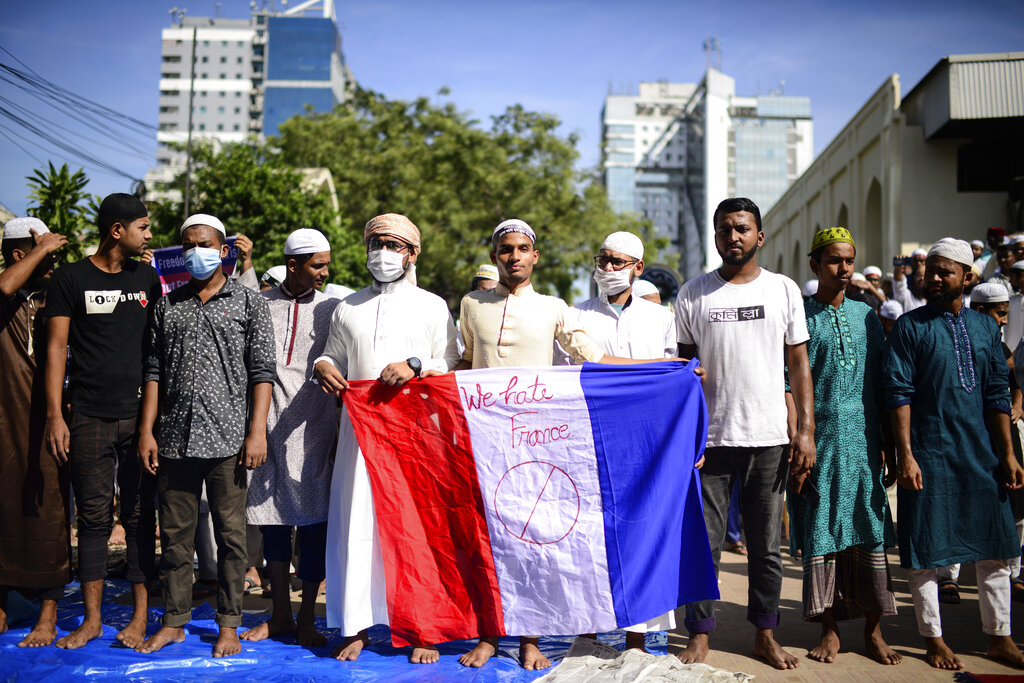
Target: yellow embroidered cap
827,236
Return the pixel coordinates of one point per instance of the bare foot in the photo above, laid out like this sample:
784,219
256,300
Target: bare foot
636,641
306,635
424,654
766,647
227,642
479,655
133,634
165,636
117,536
696,650
1003,649
269,628
530,655
938,654
827,649
81,635
42,635
879,650
350,649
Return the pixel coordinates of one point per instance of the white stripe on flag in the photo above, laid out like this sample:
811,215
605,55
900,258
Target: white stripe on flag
535,461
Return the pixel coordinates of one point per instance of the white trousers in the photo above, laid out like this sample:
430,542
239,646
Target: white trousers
993,598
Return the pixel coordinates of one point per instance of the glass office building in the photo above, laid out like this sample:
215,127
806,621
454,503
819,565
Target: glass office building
672,151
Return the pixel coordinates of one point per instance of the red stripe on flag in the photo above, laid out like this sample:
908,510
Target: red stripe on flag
441,582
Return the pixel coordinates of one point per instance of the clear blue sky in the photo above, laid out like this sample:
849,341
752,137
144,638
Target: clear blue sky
558,57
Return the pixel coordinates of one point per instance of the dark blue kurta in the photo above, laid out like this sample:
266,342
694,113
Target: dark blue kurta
950,370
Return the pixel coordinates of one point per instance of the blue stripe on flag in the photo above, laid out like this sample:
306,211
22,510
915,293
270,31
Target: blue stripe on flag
650,424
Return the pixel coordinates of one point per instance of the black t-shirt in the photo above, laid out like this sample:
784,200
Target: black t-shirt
108,312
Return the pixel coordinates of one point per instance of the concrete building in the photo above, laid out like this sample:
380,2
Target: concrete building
250,75
672,151
946,159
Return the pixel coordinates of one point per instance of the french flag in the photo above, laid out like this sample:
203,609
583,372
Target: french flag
526,501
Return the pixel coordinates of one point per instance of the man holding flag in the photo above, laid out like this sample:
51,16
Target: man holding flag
394,331
515,326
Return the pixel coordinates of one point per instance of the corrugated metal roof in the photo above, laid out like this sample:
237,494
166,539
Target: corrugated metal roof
986,89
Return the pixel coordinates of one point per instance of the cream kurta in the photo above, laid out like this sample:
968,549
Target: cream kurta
519,330
372,328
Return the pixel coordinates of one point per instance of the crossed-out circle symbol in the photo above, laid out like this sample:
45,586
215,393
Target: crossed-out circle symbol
537,502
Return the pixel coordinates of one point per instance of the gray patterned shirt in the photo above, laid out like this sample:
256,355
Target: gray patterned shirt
206,358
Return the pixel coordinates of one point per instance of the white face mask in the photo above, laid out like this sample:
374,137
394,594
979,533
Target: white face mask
385,266
613,282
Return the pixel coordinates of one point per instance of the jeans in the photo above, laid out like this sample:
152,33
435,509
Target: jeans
100,445
761,473
180,483
312,542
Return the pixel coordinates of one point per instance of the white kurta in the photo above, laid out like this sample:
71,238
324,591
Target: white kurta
372,328
643,329
293,486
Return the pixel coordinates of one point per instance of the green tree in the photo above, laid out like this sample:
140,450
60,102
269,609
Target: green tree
60,201
255,194
456,180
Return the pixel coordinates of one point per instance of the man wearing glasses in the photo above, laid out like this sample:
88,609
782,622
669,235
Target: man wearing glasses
394,331
633,327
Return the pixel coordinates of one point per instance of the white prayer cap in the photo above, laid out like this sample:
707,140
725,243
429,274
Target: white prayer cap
872,271
643,287
306,241
626,243
978,243
204,219
891,310
513,225
857,277
486,272
1017,239
337,291
953,249
989,293
810,288
1019,265
18,228
919,252
275,275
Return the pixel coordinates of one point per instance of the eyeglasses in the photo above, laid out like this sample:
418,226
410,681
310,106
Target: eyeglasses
376,244
602,261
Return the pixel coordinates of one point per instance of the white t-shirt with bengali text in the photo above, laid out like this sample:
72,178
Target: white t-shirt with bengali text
741,332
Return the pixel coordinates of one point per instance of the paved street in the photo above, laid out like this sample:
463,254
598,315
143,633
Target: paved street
733,640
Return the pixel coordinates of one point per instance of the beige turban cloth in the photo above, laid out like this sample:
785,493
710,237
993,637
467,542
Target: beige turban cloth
396,225
954,250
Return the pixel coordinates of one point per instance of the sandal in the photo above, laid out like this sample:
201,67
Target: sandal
949,593
736,547
249,585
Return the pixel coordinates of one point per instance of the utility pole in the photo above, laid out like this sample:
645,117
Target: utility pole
188,144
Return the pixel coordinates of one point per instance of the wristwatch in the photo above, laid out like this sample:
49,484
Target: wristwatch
416,365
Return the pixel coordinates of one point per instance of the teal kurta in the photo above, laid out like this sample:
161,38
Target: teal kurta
951,370
846,351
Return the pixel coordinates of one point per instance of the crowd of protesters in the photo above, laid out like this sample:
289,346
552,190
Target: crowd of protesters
217,394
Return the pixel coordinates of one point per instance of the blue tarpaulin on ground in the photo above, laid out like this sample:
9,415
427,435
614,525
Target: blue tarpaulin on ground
267,661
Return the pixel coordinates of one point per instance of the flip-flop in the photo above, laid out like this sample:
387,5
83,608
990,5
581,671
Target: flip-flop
249,585
949,593
736,547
